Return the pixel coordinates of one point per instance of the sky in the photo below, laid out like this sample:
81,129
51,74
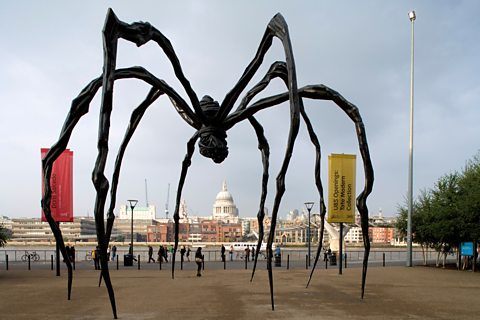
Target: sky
52,49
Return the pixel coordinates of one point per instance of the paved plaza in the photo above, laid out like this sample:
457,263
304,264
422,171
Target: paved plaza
391,293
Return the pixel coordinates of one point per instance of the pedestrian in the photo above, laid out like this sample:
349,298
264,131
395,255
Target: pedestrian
199,260
96,260
108,253
114,252
223,253
72,254
188,254
247,253
150,254
253,253
130,251
165,253
160,254
182,253
231,253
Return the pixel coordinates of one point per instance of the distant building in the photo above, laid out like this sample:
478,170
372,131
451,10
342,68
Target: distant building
224,208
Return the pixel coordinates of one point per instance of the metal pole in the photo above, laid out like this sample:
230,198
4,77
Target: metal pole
340,252
309,240
412,17
57,252
309,206
131,232
6,261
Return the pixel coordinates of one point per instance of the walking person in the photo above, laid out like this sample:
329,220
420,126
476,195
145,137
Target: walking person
253,253
223,253
231,253
247,253
96,260
114,252
161,254
188,254
150,254
182,253
199,260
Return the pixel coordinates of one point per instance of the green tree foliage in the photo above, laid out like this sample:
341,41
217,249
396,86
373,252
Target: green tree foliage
5,235
447,214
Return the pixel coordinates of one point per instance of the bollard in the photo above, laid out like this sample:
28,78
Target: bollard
345,260
51,262
29,262
6,261
224,264
203,264
181,264
138,262
117,262
288,261
326,263
160,264
306,262
384,259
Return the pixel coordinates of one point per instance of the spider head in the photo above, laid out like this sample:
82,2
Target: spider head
213,143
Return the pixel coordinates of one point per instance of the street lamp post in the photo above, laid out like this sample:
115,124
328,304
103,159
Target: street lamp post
309,206
133,203
412,17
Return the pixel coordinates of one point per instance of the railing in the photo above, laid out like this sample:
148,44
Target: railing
295,254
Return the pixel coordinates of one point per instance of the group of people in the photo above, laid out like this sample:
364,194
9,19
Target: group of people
164,252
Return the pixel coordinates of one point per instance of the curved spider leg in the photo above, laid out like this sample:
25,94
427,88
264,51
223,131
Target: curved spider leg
187,161
277,27
79,107
265,151
135,119
325,93
137,115
142,32
321,92
57,233
318,182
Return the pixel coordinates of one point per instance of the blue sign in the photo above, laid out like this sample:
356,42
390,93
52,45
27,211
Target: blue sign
466,249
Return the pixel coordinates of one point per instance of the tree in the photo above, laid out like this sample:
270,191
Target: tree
447,214
5,235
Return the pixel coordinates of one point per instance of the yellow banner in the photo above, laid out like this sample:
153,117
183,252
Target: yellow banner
341,188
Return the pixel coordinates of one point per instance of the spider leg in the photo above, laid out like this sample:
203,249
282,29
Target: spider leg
318,182
187,161
135,119
265,151
321,92
47,164
277,27
142,32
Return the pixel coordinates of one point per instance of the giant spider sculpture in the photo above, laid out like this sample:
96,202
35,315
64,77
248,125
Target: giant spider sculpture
211,122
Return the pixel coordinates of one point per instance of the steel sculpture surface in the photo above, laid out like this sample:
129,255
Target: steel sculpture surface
211,121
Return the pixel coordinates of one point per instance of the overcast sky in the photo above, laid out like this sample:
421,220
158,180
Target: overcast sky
52,49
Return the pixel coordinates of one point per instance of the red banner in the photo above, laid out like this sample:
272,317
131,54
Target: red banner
61,183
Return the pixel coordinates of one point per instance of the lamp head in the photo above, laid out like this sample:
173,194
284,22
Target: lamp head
309,205
133,203
412,15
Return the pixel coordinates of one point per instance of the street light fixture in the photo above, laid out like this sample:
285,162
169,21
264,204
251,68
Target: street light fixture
133,203
309,206
412,17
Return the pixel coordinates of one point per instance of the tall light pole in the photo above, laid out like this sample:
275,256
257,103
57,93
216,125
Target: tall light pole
133,203
412,17
309,206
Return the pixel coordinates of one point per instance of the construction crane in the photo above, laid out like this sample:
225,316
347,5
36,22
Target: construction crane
166,203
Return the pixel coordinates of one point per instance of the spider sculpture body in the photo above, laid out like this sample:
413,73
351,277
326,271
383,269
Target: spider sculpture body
211,120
